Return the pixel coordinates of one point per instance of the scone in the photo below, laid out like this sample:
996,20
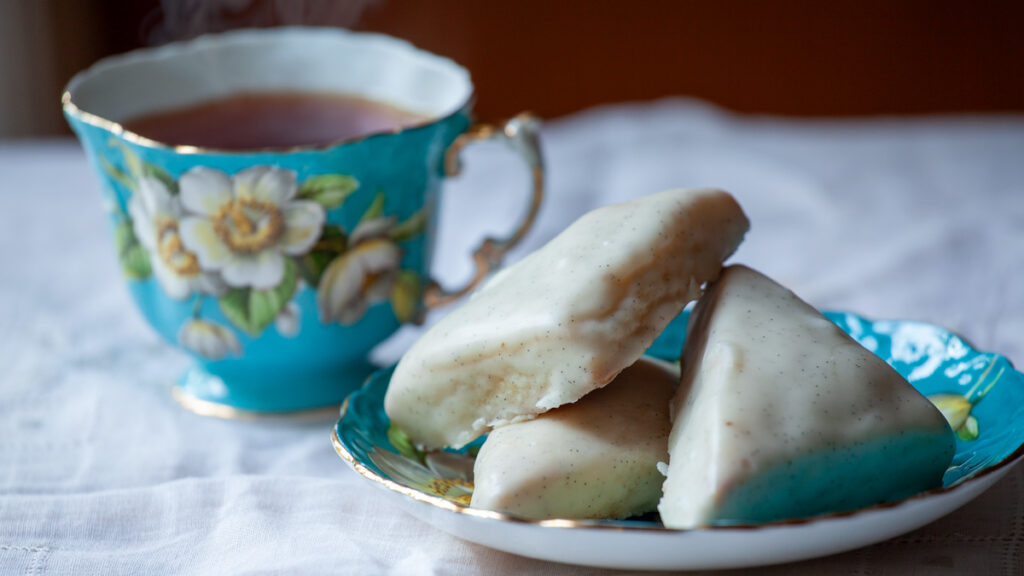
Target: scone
595,458
566,319
780,414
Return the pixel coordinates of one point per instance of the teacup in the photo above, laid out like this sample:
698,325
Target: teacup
279,270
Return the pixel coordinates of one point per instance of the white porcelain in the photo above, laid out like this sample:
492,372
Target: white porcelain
606,546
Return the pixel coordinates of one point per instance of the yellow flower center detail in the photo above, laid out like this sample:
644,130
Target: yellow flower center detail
442,486
171,251
248,225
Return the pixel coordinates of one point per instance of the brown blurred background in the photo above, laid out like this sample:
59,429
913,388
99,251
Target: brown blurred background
793,57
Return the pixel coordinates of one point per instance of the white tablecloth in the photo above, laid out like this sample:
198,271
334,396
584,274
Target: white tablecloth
102,473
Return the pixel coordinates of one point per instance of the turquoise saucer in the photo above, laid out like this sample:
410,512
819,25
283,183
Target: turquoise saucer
980,392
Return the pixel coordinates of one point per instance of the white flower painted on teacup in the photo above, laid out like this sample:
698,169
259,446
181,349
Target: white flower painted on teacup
155,215
287,321
246,225
209,340
365,274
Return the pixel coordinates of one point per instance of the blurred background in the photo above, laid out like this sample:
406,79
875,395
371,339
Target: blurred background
555,57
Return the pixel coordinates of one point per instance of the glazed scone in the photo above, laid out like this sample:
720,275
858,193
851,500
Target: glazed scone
780,414
595,458
564,320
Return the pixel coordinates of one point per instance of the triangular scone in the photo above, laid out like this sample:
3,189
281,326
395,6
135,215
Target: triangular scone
565,319
780,414
595,458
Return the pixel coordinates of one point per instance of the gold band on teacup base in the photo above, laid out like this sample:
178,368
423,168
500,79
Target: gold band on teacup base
223,411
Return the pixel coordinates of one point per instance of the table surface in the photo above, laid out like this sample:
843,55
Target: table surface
102,473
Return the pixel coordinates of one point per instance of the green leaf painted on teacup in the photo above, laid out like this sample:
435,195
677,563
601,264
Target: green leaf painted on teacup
312,266
253,310
135,263
405,296
135,167
333,241
133,257
235,306
400,440
969,431
160,174
410,228
376,208
124,236
116,174
328,190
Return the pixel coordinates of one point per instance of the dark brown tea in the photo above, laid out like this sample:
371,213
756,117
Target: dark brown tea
273,120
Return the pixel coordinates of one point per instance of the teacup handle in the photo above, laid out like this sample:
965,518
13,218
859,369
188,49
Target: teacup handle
521,134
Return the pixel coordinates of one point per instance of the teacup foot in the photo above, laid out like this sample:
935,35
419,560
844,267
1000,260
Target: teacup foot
217,410
207,394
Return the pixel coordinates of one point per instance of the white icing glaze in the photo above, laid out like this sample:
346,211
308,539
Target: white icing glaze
566,319
596,458
767,380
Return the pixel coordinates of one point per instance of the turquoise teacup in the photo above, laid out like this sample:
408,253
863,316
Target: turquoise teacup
279,270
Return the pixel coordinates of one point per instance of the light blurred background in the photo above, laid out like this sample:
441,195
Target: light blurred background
555,57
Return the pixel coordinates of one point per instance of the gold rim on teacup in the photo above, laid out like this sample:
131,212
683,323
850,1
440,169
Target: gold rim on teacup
72,109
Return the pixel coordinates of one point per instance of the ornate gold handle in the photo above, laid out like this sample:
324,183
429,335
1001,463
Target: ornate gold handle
521,134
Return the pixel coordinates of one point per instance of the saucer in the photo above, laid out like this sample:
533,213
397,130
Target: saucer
982,391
